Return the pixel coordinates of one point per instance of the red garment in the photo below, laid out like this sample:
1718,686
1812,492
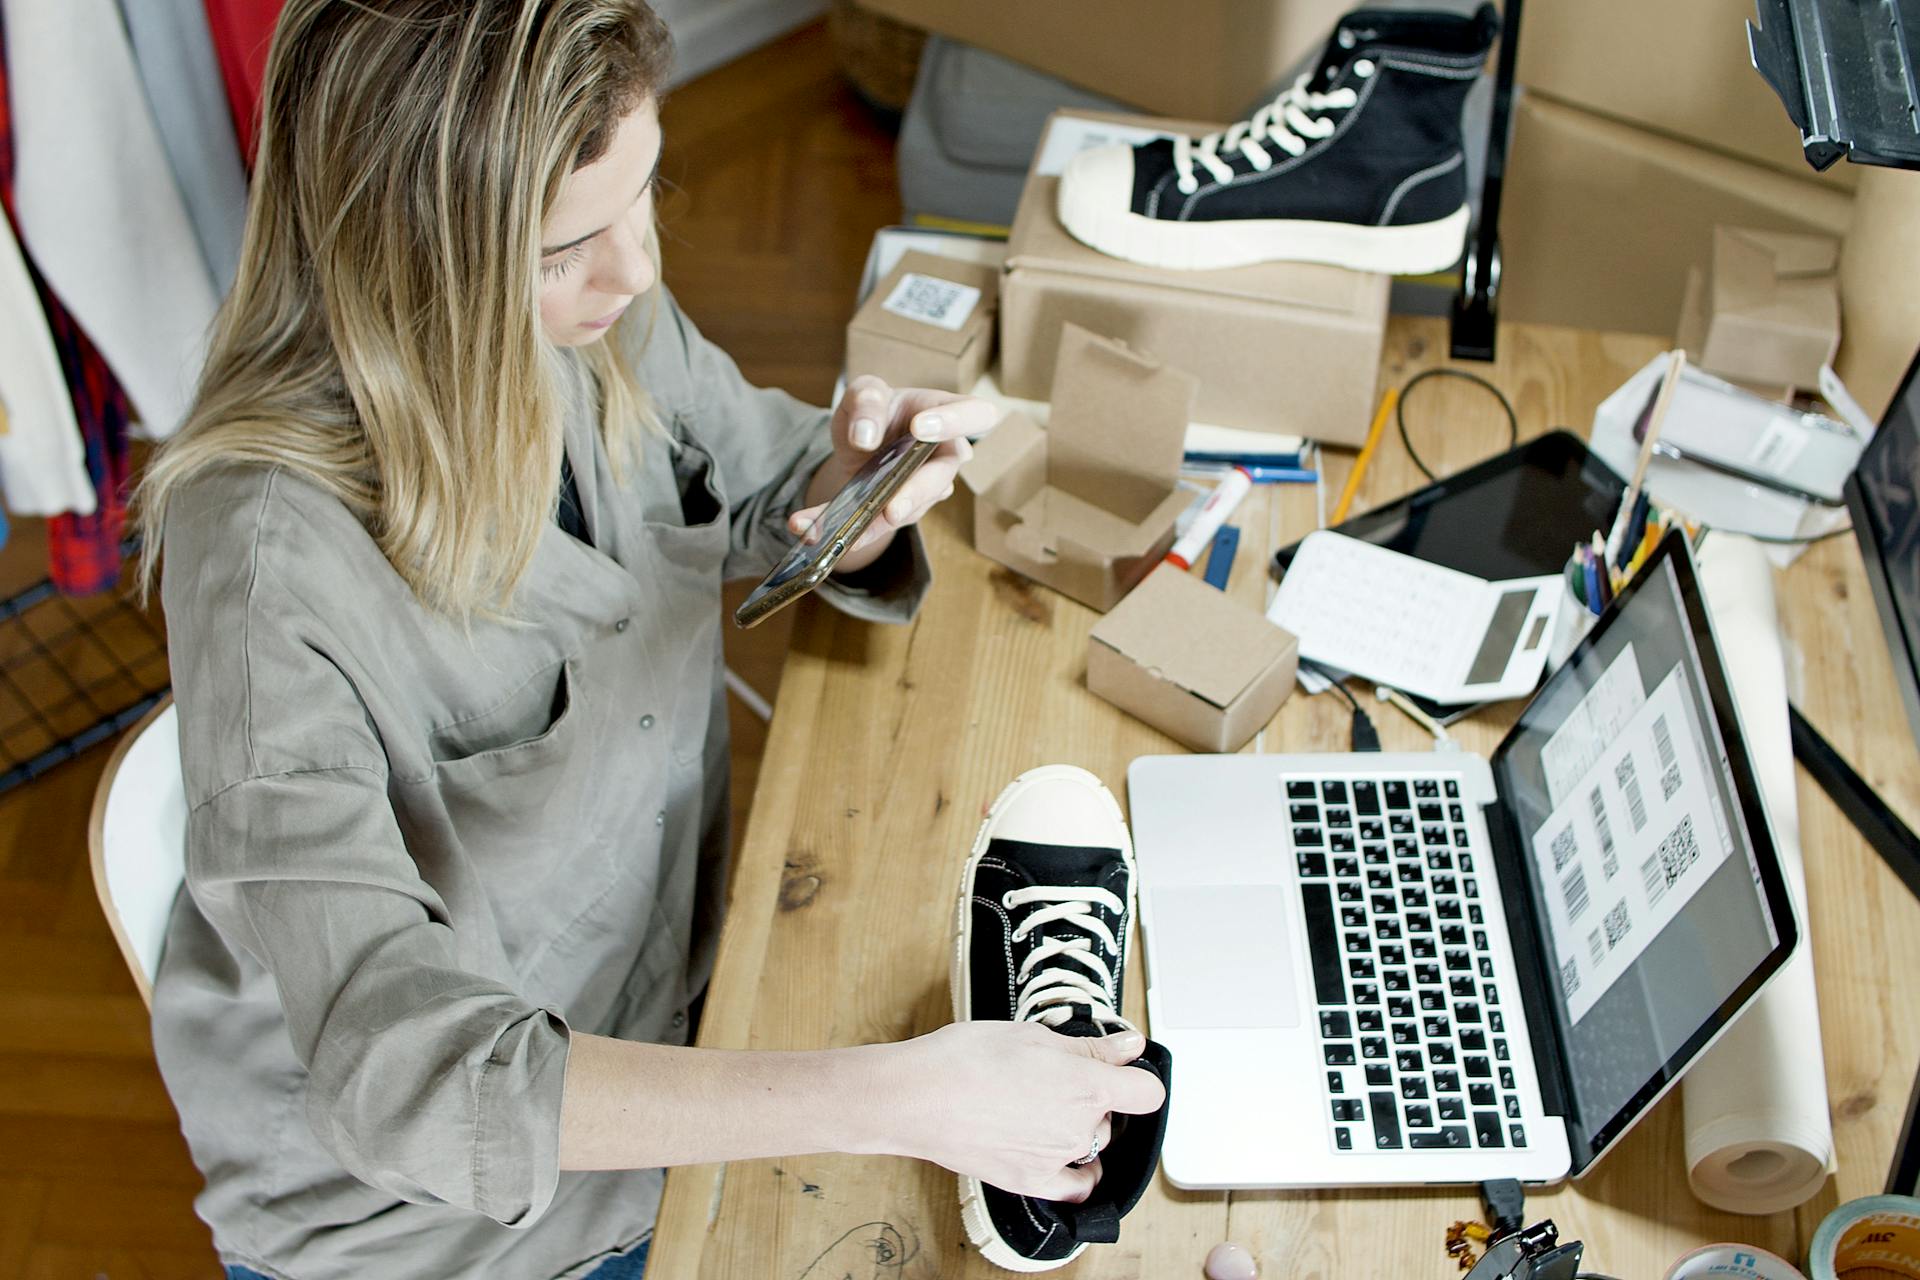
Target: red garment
242,32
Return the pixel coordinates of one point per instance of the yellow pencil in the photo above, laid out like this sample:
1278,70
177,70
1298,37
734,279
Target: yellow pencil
1387,402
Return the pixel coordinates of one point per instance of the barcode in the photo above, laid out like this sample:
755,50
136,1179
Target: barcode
1575,888
1609,859
1654,879
1563,849
1678,851
1630,784
1616,924
1669,763
1569,978
1596,947
932,300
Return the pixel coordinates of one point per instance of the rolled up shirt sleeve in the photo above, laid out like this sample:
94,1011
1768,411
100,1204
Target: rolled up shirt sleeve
425,1079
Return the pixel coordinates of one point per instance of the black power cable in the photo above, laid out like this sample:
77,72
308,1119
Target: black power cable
1400,410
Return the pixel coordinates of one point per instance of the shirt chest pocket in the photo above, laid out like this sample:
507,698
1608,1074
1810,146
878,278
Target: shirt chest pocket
526,716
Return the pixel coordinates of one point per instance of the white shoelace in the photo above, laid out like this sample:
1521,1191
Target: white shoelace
1047,994
1288,122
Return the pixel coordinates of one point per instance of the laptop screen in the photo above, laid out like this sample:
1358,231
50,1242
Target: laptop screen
1657,896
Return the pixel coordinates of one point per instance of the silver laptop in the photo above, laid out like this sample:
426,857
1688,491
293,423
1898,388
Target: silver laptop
1388,969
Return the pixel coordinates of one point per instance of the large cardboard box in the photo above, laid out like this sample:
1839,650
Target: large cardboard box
1195,664
1087,505
1766,308
1680,69
1601,221
1210,59
1286,347
928,324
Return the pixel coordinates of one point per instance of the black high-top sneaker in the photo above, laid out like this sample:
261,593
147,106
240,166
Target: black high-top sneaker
1046,900
1359,163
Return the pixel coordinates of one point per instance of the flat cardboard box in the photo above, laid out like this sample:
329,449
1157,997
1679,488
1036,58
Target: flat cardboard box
1678,69
1601,221
1767,309
1291,348
1208,58
1087,505
930,323
1200,667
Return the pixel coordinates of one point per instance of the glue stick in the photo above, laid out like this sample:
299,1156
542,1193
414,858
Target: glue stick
1226,495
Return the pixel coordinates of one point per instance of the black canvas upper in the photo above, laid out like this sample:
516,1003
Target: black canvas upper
1395,157
1041,1229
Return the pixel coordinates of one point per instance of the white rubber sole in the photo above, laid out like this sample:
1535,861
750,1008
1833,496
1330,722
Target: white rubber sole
973,1206
1210,246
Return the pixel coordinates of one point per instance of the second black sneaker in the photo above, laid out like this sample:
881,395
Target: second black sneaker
1046,899
1359,163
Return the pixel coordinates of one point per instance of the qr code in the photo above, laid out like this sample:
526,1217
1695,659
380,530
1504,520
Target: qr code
932,300
1609,857
1596,947
1678,851
1563,849
1569,978
1616,923
1575,889
1630,786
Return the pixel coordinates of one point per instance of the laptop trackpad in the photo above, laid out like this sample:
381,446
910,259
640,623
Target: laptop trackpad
1223,958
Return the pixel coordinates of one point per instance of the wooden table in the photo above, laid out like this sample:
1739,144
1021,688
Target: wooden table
887,743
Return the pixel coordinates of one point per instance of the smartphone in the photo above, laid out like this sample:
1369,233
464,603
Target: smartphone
838,527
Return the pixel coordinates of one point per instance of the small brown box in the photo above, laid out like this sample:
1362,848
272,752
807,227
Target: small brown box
1769,309
1291,348
1086,506
1193,663
928,324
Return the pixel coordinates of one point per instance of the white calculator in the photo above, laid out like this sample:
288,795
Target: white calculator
1414,625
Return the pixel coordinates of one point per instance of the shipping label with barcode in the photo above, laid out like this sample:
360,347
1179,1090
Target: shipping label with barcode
944,304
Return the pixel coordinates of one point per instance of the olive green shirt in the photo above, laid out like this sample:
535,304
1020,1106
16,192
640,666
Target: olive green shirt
418,855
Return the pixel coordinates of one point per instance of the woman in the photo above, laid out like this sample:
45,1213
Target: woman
443,541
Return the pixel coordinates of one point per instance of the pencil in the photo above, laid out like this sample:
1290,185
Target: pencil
1380,417
1656,413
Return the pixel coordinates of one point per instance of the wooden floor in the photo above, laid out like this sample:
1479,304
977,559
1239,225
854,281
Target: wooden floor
777,179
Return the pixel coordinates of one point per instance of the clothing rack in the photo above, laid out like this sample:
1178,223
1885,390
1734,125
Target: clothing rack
74,672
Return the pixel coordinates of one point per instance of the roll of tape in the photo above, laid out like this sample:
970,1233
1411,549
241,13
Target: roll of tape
1733,1262
1875,1238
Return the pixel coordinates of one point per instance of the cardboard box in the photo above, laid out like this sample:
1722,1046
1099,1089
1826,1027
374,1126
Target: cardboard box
1087,505
1208,58
928,324
1601,221
1193,663
1286,347
1678,69
1767,308
1880,308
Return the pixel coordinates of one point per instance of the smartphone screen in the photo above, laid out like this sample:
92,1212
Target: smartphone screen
838,527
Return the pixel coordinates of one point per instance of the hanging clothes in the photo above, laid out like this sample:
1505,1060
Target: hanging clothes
181,74
242,32
84,544
43,465
96,205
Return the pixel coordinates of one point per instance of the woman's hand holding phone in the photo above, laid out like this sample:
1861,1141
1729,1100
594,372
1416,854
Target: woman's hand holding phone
870,414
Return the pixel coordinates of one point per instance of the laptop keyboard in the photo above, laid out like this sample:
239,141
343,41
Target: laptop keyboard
1411,1026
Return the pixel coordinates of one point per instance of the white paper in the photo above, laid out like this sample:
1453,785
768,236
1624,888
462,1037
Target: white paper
1634,841
945,304
1070,135
1601,717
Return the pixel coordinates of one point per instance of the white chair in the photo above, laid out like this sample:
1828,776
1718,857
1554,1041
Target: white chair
137,840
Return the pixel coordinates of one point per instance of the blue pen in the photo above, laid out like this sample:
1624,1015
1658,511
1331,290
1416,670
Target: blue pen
1594,602
1220,559
1286,459
1282,475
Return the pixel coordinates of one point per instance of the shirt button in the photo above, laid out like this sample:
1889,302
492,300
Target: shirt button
660,818
646,722
679,1021
620,625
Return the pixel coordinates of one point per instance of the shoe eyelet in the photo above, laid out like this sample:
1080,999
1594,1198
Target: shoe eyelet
1363,68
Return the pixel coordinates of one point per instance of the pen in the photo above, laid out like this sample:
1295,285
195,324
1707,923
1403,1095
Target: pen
1226,495
1667,449
1257,474
1593,580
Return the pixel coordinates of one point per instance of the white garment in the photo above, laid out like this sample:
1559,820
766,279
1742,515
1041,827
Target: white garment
43,464
99,210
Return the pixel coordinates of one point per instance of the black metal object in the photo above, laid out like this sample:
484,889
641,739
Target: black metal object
1844,70
73,673
1476,307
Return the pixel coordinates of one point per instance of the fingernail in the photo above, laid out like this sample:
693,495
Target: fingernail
897,511
1132,1041
866,432
927,426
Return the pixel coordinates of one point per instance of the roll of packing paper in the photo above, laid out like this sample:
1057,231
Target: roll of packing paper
1875,1238
1759,1137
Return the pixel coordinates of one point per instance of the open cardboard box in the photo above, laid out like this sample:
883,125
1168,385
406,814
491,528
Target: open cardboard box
1768,308
1087,505
1198,666
1286,347
929,323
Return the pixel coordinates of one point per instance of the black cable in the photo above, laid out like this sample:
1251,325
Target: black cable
1363,736
1506,1204
1400,410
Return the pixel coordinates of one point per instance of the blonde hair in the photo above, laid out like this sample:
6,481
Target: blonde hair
382,338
